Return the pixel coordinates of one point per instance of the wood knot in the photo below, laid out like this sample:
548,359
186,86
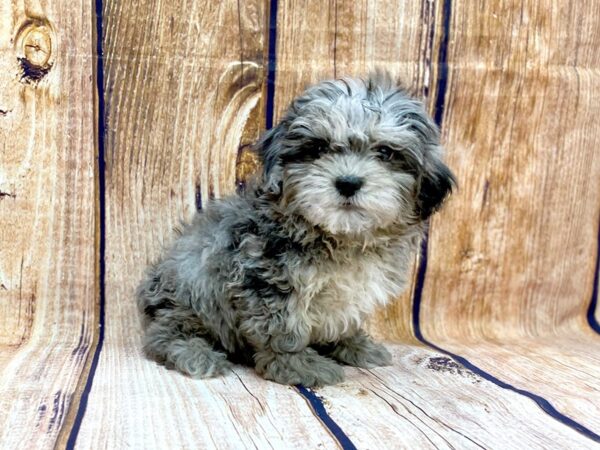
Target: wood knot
444,364
34,50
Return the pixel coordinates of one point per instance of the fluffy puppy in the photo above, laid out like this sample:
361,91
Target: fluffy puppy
283,276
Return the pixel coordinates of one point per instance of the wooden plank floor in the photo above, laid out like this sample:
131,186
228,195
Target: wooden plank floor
563,371
423,401
494,343
48,196
433,402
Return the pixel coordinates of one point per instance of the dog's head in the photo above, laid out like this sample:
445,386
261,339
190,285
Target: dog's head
352,156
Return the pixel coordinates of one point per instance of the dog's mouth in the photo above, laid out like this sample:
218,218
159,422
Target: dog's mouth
349,206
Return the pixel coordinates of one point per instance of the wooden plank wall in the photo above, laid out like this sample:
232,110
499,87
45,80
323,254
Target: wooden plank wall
524,225
512,259
168,149
48,198
505,288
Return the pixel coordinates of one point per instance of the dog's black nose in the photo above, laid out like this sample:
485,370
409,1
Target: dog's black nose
348,185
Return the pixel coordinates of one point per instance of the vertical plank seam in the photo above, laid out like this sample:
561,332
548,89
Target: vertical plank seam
319,410
314,402
272,55
442,75
335,37
101,218
545,405
591,312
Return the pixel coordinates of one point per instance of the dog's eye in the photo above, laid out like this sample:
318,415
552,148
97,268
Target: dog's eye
386,153
316,148
320,146
307,152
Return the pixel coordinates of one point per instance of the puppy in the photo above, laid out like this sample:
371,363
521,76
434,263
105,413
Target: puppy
284,276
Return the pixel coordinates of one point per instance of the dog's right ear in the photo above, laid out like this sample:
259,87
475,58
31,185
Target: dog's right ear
268,148
437,182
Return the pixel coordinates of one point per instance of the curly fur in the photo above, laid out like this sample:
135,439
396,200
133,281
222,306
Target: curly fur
283,276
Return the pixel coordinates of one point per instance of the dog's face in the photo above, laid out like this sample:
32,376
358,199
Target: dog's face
353,156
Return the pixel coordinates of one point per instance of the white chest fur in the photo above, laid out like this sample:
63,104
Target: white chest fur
344,294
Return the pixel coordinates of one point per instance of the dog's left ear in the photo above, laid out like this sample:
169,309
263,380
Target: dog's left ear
268,148
437,182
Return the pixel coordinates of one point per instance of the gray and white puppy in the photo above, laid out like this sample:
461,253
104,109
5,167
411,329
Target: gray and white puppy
284,276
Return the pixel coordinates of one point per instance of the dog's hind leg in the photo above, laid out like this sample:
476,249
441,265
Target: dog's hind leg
171,341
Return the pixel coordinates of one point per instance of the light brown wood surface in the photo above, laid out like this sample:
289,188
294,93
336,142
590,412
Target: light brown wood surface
48,289
510,259
562,370
197,70
425,400
514,252
136,403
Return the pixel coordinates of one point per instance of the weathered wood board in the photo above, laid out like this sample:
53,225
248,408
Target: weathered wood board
423,401
152,408
426,400
197,71
48,197
514,252
563,371
512,258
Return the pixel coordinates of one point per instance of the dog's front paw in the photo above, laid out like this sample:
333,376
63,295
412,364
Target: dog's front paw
306,367
361,351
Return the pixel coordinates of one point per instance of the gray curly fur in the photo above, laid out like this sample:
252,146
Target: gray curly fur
283,276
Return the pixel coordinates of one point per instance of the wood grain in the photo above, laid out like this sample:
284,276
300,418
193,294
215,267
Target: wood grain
48,289
514,251
512,257
182,98
563,371
426,400
153,408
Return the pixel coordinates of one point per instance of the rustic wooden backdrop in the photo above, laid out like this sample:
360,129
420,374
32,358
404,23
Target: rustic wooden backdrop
119,119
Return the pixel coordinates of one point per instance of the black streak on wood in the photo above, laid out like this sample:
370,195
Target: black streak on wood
6,194
260,404
40,414
55,410
82,346
58,409
198,197
240,178
486,188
